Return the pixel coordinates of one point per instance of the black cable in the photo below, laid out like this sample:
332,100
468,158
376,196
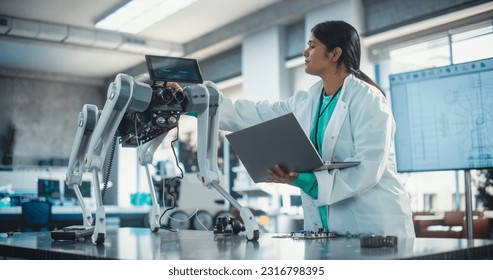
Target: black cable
176,157
108,173
168,188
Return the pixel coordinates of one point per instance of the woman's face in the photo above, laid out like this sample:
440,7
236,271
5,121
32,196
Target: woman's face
316,59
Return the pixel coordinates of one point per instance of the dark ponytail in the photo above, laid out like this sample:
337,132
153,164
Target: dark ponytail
341,34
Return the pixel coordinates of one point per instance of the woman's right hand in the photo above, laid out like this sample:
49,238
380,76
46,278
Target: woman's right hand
174,85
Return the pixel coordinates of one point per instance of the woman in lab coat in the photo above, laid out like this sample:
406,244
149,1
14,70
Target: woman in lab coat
348,119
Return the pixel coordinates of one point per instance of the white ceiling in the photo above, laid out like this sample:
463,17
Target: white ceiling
17,53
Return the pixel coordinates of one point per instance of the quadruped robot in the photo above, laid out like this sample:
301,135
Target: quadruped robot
140,112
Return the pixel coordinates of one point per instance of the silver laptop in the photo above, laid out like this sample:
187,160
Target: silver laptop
278,141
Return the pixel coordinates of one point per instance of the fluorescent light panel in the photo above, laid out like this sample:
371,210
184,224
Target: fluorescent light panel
137,15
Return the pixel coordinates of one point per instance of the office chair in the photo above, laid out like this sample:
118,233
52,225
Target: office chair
36,215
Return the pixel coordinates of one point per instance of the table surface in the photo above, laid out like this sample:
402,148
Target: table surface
142,244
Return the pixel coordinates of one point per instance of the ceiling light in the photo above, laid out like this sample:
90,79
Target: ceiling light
137,15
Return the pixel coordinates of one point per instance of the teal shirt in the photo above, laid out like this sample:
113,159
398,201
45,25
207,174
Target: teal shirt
307,180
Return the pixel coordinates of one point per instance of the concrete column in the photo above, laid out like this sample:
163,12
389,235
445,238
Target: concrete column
263,70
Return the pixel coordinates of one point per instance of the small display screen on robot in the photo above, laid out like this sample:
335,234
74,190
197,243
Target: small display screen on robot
173,69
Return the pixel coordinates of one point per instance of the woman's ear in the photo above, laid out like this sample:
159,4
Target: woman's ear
336,54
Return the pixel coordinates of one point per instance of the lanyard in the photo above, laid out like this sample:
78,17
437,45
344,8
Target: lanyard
320,113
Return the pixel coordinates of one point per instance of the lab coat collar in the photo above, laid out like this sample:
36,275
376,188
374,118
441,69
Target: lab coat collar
337,119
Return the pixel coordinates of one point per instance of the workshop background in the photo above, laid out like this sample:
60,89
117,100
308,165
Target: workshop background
53,60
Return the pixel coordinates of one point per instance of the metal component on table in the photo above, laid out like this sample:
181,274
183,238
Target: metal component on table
73,233
227,226
378,241
305,234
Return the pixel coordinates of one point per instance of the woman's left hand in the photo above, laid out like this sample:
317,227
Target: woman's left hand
279,175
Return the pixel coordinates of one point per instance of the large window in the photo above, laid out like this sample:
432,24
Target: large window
433,53
455,47
472,45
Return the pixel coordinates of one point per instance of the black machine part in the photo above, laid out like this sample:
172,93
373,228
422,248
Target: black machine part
228,226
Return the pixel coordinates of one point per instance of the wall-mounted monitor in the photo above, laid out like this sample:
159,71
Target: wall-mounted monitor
444,117
85,190
49,188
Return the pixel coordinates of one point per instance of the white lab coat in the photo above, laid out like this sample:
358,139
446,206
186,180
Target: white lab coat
365,199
